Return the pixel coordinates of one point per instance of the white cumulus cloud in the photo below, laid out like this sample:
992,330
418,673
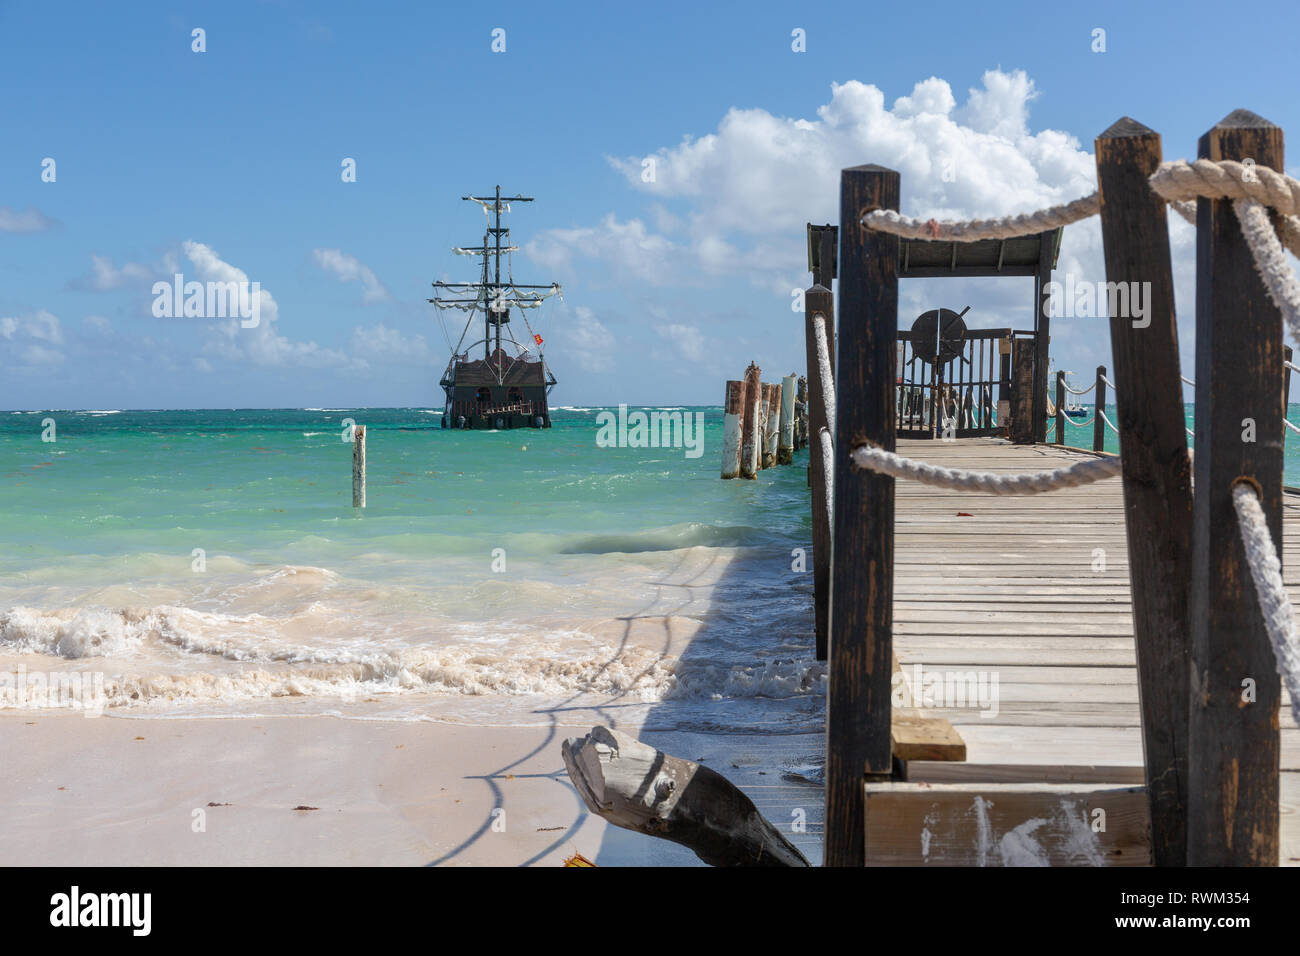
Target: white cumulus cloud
263,344
351,269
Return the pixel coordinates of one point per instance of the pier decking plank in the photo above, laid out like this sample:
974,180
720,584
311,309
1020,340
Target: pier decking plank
1036,590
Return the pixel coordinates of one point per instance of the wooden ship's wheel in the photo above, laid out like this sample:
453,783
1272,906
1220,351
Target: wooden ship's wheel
939,336
938,339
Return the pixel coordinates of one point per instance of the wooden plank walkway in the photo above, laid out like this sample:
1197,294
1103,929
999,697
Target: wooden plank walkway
1016,587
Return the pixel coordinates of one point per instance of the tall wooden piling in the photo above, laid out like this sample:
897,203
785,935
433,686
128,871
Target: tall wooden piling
1060,408
1233,741
801,414
1025,407
1098,423
862,578
1156,467
785,447
750,437
359,467
819,303
732,412
771,423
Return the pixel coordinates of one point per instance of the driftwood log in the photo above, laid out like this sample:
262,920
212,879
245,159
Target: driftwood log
634,786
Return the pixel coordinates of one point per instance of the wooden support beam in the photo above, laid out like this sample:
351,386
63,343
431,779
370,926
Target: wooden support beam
916,734
1042,333
1005,824
862,570
1060,408
1157,469
1024,407
818,301
1233,744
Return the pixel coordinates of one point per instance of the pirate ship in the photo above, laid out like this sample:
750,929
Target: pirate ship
510,385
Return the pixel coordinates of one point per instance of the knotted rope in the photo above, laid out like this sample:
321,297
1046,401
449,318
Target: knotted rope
958,479
1266,572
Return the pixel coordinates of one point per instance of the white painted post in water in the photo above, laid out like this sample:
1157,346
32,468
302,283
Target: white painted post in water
359,467
750,439
785,450
732,413
771,423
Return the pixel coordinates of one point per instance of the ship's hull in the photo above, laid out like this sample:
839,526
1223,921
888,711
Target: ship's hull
497,421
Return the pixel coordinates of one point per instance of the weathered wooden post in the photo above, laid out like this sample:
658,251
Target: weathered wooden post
359,466
1025,407
1098,423
862,575
732,412
771,423
1042,334
767,454
801,414
785,448
1157,469
749,423
1233,740
1060,408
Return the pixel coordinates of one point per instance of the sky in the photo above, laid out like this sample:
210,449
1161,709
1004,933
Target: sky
127,156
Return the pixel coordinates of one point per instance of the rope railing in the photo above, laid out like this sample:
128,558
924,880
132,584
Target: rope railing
1109,423
828,468
824,366
1252,188
1079,391
1270,591
959,479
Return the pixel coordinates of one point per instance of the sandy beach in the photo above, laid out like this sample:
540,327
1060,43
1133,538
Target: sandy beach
124,792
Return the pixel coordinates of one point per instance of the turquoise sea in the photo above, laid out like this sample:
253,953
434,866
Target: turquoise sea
210,562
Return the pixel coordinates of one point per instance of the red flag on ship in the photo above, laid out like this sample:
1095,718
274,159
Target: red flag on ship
537,338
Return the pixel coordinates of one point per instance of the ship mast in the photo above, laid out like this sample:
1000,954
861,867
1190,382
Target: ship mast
495,297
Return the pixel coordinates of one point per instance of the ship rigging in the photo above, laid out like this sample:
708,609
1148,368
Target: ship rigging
500,390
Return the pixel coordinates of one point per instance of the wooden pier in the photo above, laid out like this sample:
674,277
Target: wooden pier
1034,590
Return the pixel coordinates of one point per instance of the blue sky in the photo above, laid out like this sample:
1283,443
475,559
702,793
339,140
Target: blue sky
230,160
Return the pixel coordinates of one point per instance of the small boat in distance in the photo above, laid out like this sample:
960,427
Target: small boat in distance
1073,409
500,390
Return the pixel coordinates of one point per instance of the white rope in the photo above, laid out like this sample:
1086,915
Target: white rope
1266,572
1290,426
1185,209
1270,261
1113,387
1190,433
1080,391
1102,413
1084,424
1251,188
828,470
1187,380
1290,366
1051,408
1227,179
1003,227
824,366
957,479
